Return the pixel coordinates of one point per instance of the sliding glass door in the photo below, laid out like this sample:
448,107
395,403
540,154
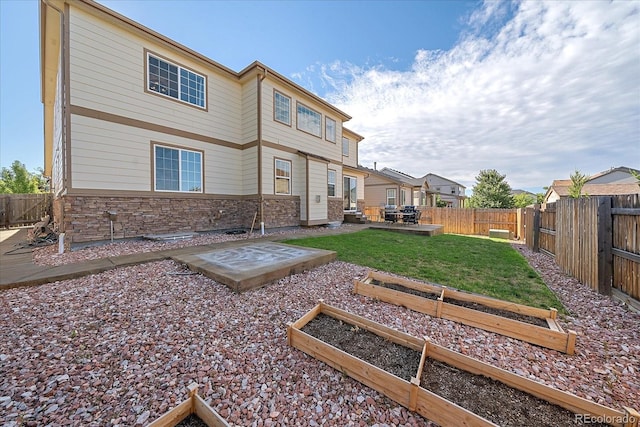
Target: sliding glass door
349,193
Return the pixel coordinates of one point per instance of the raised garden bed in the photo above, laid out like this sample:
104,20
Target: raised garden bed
193,412
360,348
530,324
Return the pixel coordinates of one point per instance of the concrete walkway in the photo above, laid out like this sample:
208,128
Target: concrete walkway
17,267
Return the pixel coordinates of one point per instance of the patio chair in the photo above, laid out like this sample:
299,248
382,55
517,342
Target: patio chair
390,214
410,215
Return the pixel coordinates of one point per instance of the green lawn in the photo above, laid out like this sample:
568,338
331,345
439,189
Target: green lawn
479,265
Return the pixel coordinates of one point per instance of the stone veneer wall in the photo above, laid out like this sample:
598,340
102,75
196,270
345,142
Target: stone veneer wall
84,219
336,211
360,205
281,212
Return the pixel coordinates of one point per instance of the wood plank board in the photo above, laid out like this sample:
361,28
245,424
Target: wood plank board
553,337
426,403
462,296
193,405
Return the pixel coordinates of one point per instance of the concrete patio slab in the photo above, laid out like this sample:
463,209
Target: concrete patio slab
252,265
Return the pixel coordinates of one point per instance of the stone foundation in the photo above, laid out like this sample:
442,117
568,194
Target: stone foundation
336,213
360,205
84,218
281,212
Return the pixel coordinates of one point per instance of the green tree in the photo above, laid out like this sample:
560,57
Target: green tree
636,175
440,203
578,180
540,197
17,179
491,191
523,200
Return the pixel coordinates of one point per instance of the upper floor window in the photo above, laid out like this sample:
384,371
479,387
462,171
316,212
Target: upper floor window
281,108
177,169
309,120
345,147
331,183
330,129
175,81
283,176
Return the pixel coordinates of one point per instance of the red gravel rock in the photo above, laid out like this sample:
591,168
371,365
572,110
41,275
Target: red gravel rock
107,349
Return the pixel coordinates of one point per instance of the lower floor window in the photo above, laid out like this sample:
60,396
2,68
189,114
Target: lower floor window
177,169
391,196
283,176
331,183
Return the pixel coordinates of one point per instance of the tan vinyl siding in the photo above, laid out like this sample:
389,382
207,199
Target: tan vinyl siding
317,187
118,86
249,111
250,171
57,171
375,193
280,133
268,178
111,156
360,188
352,159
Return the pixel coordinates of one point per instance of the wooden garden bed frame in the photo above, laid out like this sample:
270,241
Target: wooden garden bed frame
553,337
409,393
193,405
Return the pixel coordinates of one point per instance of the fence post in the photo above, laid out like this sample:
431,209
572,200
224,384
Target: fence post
605,243
536,228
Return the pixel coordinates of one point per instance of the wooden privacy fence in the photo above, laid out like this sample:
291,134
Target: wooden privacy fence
463,220
23,209
594,239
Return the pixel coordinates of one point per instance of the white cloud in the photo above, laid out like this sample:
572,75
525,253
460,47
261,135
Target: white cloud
553,89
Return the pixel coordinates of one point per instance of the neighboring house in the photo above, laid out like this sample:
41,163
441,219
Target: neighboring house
620,175
169,140
450,192
615,181
391,187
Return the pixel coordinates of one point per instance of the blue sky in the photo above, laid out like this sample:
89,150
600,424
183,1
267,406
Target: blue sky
534,90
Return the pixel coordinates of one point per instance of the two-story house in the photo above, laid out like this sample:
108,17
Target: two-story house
169,140
392,187
450,192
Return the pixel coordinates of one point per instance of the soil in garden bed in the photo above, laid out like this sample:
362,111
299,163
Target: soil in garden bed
192,421
399,360
467,304
484,396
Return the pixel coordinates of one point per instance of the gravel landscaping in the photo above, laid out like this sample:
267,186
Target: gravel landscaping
120,347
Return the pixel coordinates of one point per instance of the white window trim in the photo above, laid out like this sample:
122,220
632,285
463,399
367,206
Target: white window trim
345,143
309,131
275,117
326,129
180,67
180,151
276,177
394,196
335,186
